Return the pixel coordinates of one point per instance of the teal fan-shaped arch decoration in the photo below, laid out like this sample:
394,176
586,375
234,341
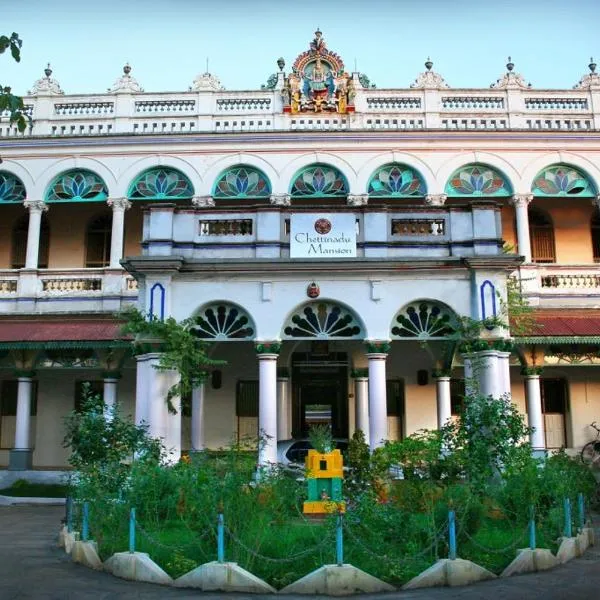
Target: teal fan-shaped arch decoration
77,185
11,188
161,183
242,182
395,180
323,320
319,181
478,180
563,180
223,321
424,319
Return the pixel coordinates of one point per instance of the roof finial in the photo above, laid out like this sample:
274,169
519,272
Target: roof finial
281,63
206,65
592,65
428,64
127,68
510,65
48,71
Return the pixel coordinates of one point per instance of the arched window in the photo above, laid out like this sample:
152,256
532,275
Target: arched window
319,181
242,182
11,188
77,185
223,321
97,241
424,319
595,227
161,183
478,180
19,242
563,180
396,181
323,320
541,231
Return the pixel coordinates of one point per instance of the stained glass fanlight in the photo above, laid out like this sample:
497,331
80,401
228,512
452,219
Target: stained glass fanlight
396,181
11,188
223,321
563,180
77,185
242,182
423,320
323,320
478,180
319,181
161,183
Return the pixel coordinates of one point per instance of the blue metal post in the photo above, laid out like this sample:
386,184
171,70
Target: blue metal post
85,526
220,538
568,529
339,542
452,534
132,530
532,540
69,514
581,506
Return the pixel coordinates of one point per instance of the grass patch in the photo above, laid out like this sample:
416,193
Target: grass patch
24,489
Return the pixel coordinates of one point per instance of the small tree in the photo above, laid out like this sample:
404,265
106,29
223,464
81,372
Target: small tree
8,101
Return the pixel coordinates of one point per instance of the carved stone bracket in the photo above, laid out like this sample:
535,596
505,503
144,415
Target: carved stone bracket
357,199
35,205
280,199
435,199
203,201
119,203
521,199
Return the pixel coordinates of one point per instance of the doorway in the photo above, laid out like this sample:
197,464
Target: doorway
554,407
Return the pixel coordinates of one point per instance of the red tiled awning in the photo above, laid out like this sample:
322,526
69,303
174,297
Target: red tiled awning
565,324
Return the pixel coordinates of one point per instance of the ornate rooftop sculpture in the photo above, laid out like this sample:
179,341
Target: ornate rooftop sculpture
126,83
510,79
429,79
46,86
318,82
590,80
206,82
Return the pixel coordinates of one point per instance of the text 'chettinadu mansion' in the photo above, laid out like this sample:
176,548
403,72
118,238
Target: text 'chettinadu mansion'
328,237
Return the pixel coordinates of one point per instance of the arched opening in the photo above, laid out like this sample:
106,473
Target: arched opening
161,183
319,181
541,231
77,185
97,241
595,231
478,180
395,180
241,182
19,242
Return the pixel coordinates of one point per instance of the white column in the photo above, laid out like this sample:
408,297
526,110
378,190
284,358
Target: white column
444,409
377,400
534,412
119,206
141,388
361,405
36,208
267,408
25,385
504,372
520,202
487,372
470,383
110,395
283,408
198,442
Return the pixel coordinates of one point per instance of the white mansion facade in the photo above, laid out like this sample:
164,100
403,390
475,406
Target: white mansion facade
327,236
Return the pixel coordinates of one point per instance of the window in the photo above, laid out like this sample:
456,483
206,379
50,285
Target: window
246,409
395,408
96,387
8,410
19,242
541,231
97,246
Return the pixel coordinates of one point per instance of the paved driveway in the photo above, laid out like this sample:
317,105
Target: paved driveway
32,566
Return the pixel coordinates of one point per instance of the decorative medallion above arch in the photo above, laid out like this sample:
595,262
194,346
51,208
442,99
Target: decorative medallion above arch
77,185
11,188
319,181
161,183
242,182
563,180
424,319
478,180
223,321
323,320
396,180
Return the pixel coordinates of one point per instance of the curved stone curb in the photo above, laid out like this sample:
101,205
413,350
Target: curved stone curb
136,566
223,577
86,553
531,561
451,572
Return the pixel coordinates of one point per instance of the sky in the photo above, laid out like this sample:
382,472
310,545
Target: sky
167,42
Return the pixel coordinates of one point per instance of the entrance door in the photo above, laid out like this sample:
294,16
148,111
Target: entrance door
554,406
320,394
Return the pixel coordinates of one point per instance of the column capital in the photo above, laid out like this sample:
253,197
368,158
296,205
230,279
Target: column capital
532,372
441,374
203,201
116,375
280,199
521,199
24,373
35,205
359,373
267,348
436,199
377,346
119,203
357,199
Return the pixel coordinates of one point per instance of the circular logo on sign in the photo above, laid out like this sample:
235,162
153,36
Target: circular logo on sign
322,226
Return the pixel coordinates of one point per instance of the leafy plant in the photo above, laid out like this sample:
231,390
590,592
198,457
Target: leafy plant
8,101
321,438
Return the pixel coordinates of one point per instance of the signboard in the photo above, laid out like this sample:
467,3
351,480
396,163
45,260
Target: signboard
318,235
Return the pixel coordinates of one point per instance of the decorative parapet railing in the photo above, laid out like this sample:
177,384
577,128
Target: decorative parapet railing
8,286
162,106
418,227
131,285
468,103
84,108
393,103
545,104
70,285
565,281
227,227
578,285
243,104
